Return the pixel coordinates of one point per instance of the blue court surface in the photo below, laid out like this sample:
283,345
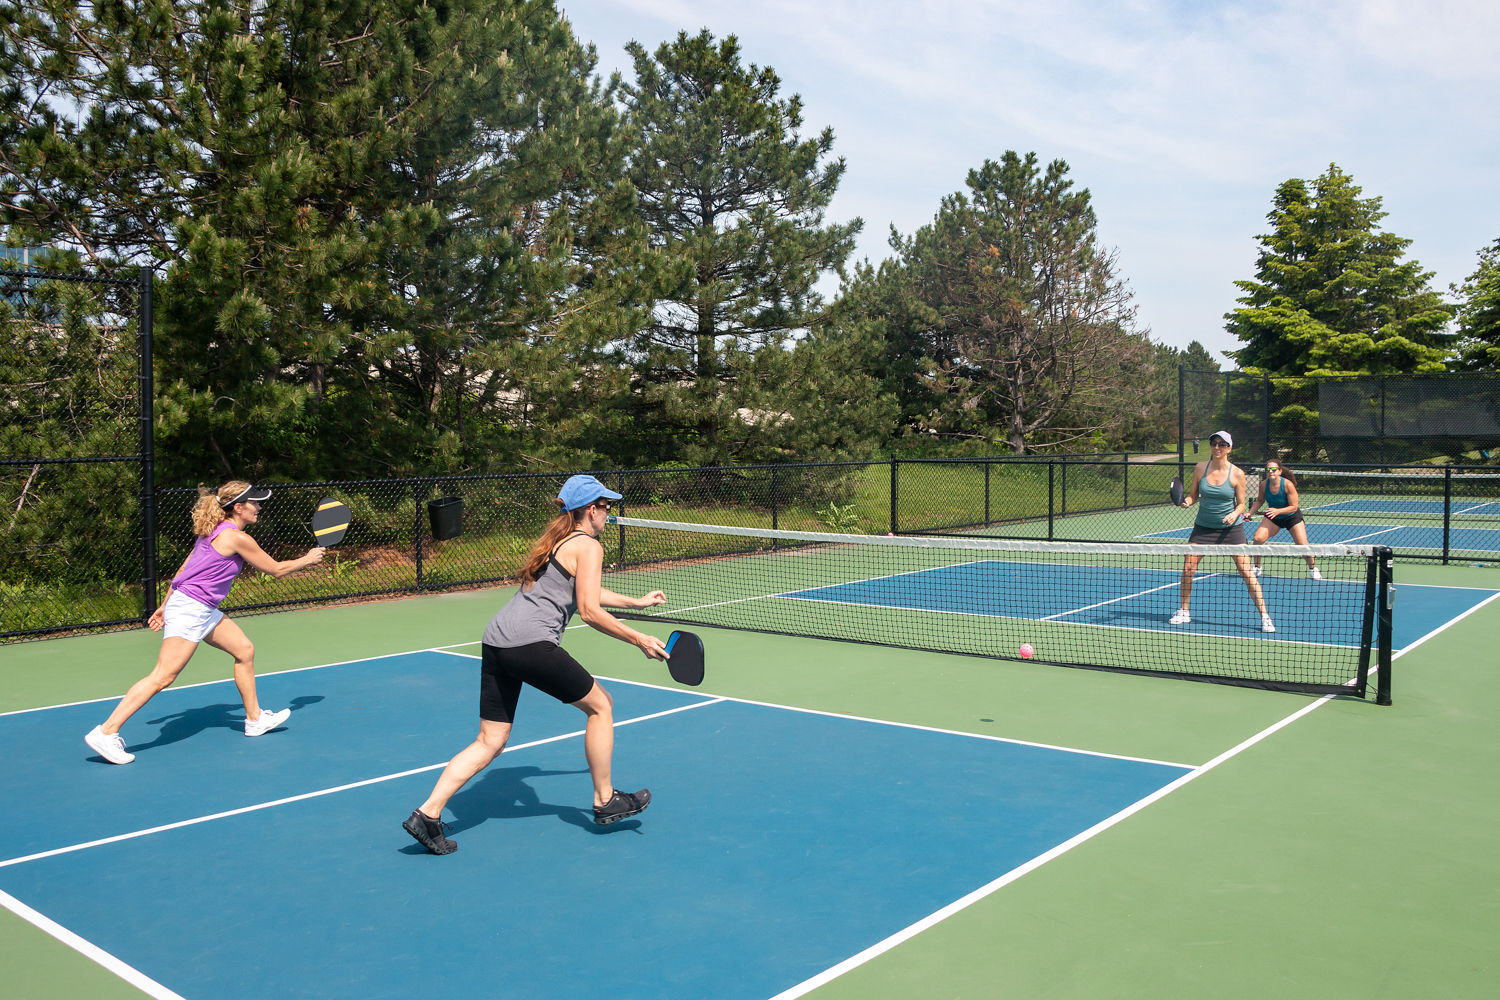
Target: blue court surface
1371,505
779,842
1397,536
1144,599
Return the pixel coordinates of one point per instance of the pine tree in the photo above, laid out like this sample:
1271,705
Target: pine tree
370,214
1479,314
734,365
1331,293
1016,325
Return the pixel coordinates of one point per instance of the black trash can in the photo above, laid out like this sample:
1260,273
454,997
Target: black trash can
446,515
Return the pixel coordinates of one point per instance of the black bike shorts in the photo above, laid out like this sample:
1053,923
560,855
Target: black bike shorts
546,667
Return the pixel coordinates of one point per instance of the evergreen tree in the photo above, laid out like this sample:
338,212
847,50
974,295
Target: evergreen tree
1331,293
735,363
1479,314
1023,329
369,213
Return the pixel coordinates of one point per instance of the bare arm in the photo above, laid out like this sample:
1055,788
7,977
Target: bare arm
588,566
159,616
249,549
609,599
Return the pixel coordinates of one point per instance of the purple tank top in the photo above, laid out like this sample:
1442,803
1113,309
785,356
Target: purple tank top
207,576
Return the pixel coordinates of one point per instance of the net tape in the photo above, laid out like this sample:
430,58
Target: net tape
1010,545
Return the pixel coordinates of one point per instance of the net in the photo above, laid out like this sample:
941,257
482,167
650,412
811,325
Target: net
1433,513
1104,606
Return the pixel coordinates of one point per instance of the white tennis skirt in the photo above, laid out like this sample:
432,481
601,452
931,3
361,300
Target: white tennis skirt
188,619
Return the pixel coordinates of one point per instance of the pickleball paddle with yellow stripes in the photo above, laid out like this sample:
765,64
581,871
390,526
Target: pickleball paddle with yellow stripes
330,521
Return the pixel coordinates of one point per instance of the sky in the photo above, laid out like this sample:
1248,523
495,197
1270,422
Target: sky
1180,118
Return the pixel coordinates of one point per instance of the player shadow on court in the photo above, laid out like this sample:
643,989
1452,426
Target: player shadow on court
502,793
192,721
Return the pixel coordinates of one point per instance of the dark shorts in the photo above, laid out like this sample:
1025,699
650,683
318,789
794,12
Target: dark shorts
1234,534
1287,521
546,667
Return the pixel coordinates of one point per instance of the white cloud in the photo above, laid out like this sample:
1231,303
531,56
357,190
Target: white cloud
1181,118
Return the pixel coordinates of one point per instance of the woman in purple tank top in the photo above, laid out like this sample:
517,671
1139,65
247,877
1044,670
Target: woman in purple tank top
190,612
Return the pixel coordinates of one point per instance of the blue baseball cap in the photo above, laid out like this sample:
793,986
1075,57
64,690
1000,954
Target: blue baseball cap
580,491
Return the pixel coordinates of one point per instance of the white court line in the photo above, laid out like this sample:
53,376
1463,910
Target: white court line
887,722
1443,627
880,948
1116,600
321,792
130,974
230,680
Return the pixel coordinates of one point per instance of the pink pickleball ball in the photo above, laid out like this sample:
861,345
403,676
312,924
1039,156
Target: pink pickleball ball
1026,651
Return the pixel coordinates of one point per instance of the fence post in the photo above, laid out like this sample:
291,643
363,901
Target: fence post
1125,461
1266,420
1063,507
620,560
1181,415
987,466
893,496
1447,508
418,494
774,523
148,449
1051,495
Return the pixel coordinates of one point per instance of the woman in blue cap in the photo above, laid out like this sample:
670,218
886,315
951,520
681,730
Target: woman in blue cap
521,645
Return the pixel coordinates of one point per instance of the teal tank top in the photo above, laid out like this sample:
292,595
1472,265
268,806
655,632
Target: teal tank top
1214,502
1277,500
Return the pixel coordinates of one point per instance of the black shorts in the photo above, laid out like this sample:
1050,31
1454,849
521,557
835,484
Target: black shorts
548,668
1234,534
1287,520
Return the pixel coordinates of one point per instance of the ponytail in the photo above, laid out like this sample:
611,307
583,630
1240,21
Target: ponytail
561,527
209,511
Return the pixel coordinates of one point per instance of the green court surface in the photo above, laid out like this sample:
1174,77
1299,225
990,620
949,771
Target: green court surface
1350,853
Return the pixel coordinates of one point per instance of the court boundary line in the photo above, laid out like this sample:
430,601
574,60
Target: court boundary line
989,888
88,949
227,680
287,800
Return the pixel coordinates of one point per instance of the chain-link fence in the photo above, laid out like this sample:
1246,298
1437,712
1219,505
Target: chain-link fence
1382,420
74,451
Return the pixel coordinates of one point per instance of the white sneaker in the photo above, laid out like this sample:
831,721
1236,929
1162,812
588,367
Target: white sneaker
1266,625
1315,573
1181,617
1257,571
267,722
110,746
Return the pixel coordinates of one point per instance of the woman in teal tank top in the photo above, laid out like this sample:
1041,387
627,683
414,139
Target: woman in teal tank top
1219,491
1283,512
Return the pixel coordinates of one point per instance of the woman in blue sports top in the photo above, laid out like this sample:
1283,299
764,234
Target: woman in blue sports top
1219,491
1283,512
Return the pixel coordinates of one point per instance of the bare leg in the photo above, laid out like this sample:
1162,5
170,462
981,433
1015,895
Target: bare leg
1264,534
232,639
174,655
1299,535
1247,573
599,740
1189,567
466,763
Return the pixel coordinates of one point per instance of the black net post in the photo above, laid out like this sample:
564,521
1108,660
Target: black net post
1367,629
1387,601
1125,478
1447,509
148,450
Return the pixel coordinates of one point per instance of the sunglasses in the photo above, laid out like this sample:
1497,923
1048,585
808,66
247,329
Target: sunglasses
1218,444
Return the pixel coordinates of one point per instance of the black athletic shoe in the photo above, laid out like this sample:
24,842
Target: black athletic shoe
622,804
429,833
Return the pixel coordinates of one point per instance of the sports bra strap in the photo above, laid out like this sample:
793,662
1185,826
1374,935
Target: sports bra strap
565,541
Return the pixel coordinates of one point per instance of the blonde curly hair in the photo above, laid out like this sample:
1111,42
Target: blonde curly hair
209,511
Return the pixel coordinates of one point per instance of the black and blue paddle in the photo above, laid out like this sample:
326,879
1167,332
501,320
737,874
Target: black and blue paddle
685,658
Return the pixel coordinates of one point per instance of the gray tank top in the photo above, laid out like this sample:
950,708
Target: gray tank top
538,613
1215,502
